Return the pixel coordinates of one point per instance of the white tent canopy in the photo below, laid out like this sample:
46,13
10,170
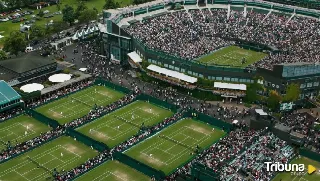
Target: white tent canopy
230,86
172,73
83,69
59,77
261,112
135,57
31,87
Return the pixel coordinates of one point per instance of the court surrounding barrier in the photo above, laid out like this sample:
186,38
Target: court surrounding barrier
23,152
158,102
203,173
141,167
111,85
87,140
309,154
208,119
42,118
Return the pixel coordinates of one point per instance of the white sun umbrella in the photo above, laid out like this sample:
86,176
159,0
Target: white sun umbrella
59,77
235,121
31,87
83,69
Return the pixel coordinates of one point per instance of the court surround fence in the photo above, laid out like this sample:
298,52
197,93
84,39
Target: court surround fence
87,140
143,168
42,118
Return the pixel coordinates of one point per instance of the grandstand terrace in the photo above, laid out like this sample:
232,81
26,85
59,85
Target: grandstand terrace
222,41
9,98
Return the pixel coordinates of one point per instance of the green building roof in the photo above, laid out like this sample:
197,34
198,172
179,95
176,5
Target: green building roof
7,93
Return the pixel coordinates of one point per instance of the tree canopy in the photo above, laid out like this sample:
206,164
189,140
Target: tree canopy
274,99
292,93
111,4
15,43
68,14
87,16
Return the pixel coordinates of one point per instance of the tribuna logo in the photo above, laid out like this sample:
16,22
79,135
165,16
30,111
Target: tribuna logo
287,167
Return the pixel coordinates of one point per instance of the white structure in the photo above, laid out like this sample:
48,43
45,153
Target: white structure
230,86
59,78
172,73
31,87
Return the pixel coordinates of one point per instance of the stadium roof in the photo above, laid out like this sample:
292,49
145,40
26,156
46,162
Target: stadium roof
230,86
7,93
135,57
26,62
172,73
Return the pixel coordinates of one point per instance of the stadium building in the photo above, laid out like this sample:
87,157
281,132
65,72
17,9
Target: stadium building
28,66
9,98
119,45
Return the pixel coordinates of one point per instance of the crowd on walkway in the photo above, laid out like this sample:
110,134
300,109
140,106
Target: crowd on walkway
204,31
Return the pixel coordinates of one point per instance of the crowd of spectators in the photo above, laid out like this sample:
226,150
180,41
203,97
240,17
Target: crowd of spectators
10,113
123,146
57,93
14,148
204,31
218,154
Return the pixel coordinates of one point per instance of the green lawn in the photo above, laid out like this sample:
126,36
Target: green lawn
120,125
232,56
114,171
7,27
285,176
20,129
79,104
62,153
175,145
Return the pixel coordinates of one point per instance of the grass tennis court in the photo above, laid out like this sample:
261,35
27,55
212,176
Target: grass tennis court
175,145
232,56
114,171
20,129
61,153
79,104
285,176
118,126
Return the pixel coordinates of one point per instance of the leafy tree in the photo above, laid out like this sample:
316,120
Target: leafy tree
292,92
274,99
37,32
88,15
58,6
15,43
80,8
41,13
3,55
110,4
58,26
251,92
68,14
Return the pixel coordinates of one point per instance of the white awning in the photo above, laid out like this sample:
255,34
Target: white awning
172,73
59,77
32,87
261,112
135,57
230,86
83,69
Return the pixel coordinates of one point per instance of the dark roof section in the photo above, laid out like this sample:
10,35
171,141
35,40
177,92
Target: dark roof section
26,62
7,93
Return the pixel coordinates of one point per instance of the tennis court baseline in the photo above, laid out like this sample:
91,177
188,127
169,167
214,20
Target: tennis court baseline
114,171
79,104
62,153
175,145
20,129
118,126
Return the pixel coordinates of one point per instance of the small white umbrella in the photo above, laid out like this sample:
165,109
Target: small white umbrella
59,77
31,87
83,69
235,121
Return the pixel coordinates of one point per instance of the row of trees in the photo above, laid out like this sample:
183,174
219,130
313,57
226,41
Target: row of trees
82,13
